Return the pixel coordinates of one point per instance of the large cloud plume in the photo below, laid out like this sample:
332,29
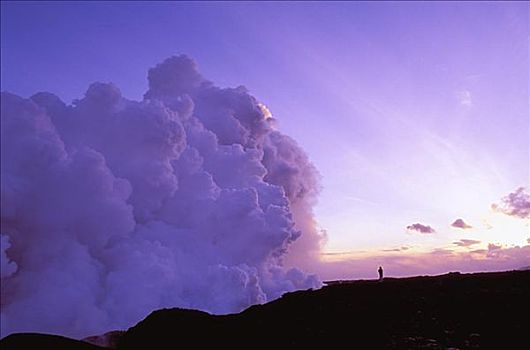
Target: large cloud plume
112,208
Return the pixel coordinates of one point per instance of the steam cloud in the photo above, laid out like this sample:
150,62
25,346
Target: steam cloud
112,208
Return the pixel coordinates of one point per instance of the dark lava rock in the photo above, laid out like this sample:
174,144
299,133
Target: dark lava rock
458,311
30,341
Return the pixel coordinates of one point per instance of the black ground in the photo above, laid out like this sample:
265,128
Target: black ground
464,311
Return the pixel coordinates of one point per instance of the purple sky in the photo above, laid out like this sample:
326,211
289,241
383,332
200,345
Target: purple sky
414,113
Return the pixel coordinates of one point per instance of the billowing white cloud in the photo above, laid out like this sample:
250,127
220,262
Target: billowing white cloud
464,98
112,208
7,267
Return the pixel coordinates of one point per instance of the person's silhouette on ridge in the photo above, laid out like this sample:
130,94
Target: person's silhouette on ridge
380,270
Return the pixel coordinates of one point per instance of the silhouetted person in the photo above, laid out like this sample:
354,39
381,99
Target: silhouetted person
380,270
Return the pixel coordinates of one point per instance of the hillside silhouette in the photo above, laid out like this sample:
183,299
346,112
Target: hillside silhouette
463,311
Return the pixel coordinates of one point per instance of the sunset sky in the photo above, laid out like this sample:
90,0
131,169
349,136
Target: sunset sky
415,114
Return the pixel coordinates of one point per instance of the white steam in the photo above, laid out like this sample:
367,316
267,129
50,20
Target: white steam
112,208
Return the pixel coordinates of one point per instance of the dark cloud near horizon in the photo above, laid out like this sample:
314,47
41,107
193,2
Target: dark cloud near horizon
399,249
112,208
495,250
425,229
492,246
436,261
466,242
459,223
515,204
